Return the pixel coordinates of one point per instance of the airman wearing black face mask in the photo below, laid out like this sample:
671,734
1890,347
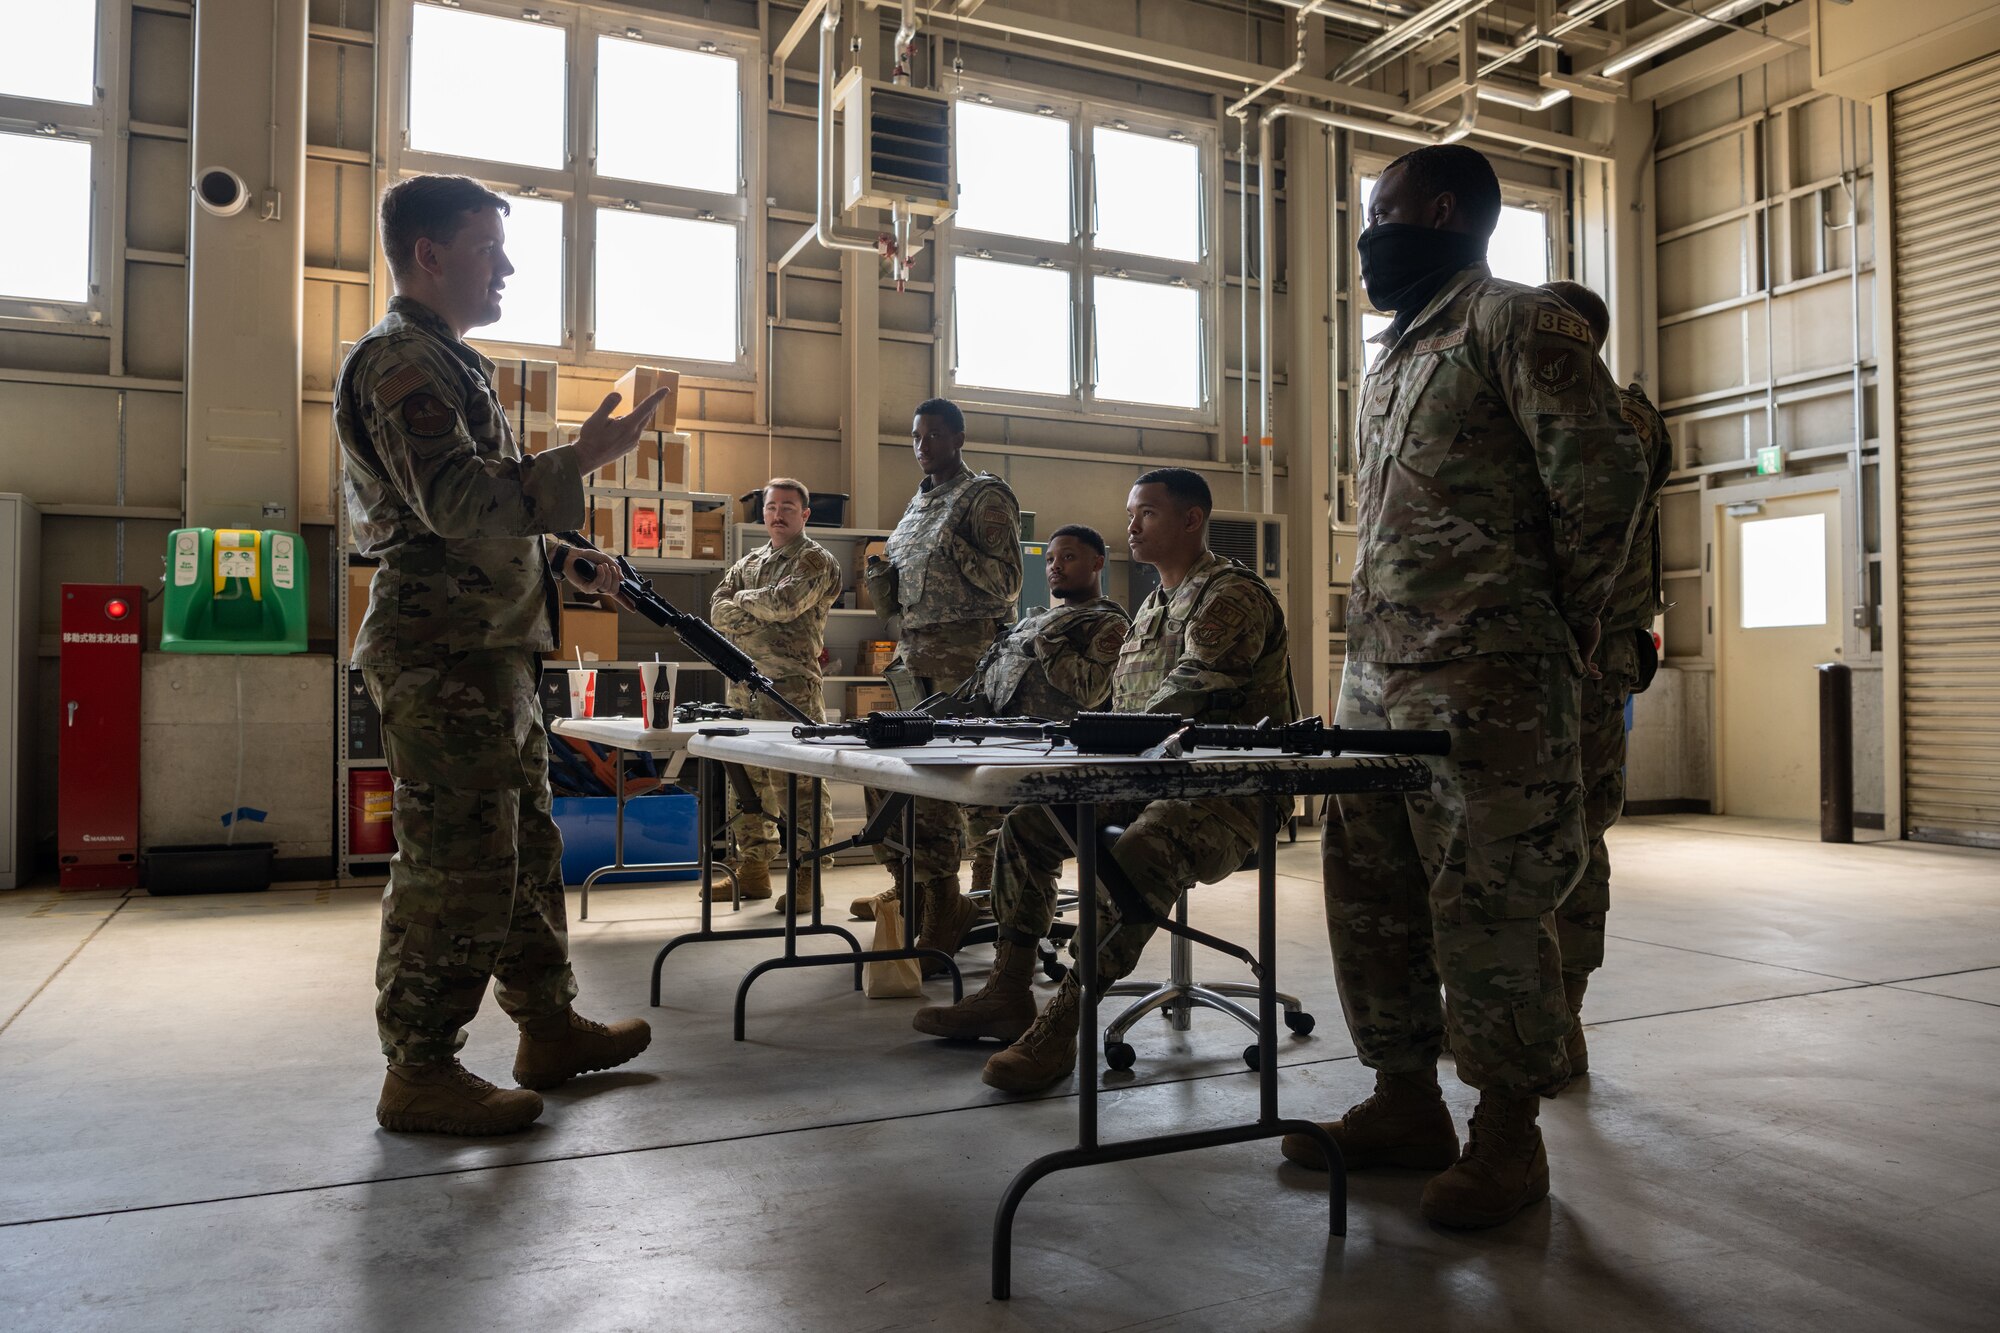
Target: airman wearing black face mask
1499,486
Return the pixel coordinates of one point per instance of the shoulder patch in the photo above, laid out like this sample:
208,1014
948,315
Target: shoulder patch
1636,417
1442,342
401,385
1109,640
426,416
1220,621
1558,368
1564,324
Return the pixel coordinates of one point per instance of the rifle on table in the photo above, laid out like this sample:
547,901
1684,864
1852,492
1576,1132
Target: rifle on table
1151,735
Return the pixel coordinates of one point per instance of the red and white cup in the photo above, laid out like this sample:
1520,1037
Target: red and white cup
582,692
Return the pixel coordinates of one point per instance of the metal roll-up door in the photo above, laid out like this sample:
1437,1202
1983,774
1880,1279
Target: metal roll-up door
1945,140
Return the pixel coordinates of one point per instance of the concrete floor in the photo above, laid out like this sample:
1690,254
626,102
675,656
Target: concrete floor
1790,1124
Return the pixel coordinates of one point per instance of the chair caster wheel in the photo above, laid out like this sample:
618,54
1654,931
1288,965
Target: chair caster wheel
1301,1023
1118,1055
1253,1058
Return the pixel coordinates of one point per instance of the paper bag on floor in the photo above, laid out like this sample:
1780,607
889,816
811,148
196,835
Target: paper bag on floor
897,979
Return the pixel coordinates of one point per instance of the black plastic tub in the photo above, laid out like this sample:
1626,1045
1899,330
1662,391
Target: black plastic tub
209,867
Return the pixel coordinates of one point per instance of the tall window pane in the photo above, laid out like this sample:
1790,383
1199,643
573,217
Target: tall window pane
1148,342
1147,194
1012,326
668,116
1013,172
666,286
1519,249
50,51
531,307
489,88
47,253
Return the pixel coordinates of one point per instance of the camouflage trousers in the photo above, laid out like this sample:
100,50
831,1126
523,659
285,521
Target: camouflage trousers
1459,884
1580,919
475,887
1167,848
941,834
757,795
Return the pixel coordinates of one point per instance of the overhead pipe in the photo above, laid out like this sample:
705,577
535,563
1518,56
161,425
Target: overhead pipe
1265,183
827,232
1394,43
1241,105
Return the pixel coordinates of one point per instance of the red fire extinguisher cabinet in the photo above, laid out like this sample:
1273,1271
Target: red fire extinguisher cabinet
97,755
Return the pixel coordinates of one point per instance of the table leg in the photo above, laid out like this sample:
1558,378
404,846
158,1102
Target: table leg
1089,1152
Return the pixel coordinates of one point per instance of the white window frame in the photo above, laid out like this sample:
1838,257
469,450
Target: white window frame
582,192
93,124
1083,262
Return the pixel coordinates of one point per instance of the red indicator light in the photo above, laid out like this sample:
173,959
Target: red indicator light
116,608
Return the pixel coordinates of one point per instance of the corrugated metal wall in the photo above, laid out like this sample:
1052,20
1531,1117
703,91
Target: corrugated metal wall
1945,146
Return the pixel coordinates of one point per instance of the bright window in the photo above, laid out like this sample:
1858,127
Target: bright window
47,253
531,306
1148,342
495,89
666,286
1784,571
668,115
1147,194
1012,327
1013,172
1129,272
50,53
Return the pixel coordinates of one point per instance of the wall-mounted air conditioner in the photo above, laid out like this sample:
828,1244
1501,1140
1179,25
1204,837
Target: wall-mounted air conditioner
1256,541
898,142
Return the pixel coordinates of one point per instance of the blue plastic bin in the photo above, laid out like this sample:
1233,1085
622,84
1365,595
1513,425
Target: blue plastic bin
657,828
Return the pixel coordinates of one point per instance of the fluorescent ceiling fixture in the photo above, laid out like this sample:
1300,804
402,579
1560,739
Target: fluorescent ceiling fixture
531,307
1784,571
50,51
1013,172
46,252
1012,326
1146,192
668,116
667,287
490,88
1148,342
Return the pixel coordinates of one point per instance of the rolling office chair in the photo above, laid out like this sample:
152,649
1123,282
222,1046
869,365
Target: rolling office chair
1180,994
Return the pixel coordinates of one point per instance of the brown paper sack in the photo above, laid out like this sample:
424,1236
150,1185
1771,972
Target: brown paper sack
898,979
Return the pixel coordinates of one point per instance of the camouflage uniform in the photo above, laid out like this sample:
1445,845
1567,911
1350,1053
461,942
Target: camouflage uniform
1053,664
1498,489
458,616
949,582
1634,603
1213,649
772,604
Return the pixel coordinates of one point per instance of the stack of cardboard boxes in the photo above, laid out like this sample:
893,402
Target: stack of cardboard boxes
667,528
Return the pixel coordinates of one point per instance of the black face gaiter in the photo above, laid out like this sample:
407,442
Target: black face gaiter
1403,265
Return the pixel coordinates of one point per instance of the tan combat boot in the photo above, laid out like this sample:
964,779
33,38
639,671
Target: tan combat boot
753,880
1405,1123
557,1048
1003,1009
863,909
944,915
1046,1052
447,1098
1503,1170
1579,1052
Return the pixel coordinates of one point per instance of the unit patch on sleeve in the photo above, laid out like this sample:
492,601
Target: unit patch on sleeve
428,417
1563,323
1557,368
1220,623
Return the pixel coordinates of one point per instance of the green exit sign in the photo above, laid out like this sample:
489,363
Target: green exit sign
1770,460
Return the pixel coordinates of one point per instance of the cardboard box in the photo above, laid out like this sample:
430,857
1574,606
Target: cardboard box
526,388
642,527
862,601
358,579
610,477
873,657
594,629
607,523
676,529
865,699
709,534
539,437
639,382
